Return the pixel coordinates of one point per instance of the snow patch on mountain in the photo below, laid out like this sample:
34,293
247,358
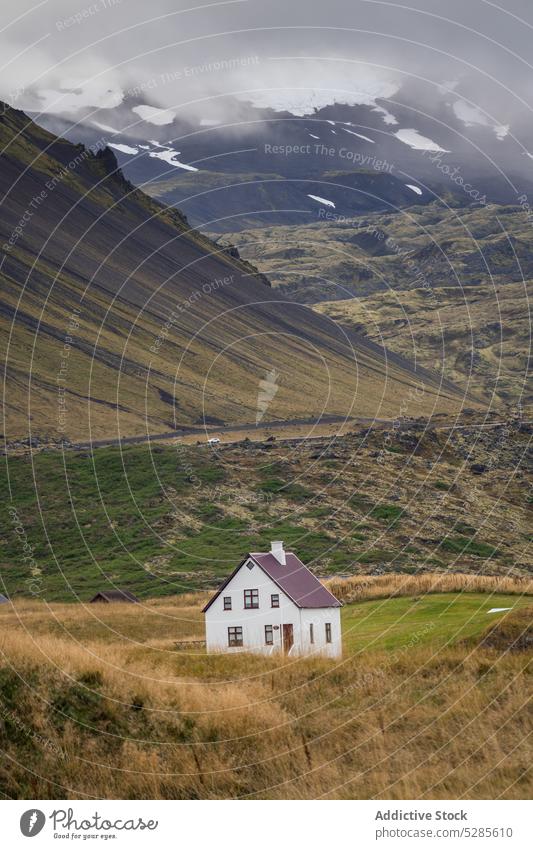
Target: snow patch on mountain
414,189
388,117
357,89
359,135
169,156
472,116
324,201
124,148
417,141
469,114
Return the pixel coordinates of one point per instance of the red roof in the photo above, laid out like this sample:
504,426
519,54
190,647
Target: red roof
295,579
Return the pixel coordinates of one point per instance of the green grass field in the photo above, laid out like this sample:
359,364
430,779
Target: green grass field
436,620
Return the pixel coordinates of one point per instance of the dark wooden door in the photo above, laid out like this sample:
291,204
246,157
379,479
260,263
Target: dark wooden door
288,638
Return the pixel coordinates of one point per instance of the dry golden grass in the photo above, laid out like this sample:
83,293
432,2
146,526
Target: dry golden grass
145,623
110,710
383,586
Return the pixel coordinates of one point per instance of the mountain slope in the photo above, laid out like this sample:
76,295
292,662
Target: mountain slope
121,320
224,202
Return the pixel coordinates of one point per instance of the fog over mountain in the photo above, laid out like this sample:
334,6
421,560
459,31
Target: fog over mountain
197,59
280,95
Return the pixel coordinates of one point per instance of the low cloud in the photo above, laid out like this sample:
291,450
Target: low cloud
173,60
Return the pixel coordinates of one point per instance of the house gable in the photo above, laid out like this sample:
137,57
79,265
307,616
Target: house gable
244,565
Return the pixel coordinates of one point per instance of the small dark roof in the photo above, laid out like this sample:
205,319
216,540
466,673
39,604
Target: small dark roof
295,579
114,595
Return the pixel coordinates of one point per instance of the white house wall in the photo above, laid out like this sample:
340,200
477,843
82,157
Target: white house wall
318,618
253,621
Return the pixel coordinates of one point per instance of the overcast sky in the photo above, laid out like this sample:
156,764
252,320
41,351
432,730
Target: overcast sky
61,56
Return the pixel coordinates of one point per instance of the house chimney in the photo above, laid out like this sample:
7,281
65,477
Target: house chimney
276,548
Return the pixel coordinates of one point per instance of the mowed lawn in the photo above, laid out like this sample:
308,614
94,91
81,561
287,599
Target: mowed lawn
437,620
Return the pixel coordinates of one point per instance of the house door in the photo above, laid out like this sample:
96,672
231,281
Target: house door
288,638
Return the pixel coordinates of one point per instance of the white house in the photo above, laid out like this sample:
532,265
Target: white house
272,603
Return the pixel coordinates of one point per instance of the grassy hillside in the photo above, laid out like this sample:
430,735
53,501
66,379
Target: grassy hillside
479,337
118,319
430,701
163,519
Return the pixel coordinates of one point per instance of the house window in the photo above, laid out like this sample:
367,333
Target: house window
251,599
269,635
227,602
235,636
311,633
328,632
274,600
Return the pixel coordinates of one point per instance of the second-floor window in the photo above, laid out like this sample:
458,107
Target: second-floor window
251,599
274,600
227,602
